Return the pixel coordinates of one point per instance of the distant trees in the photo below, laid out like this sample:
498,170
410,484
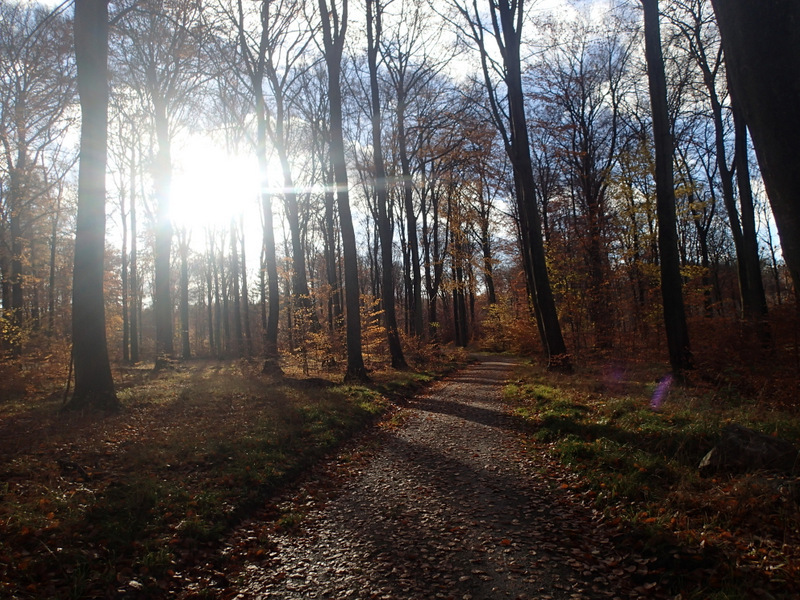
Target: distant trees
37,88
160,55
616,194
581,85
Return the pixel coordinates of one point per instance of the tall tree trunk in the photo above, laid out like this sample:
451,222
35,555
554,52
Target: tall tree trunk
94,385
5,267
217,303
210,297
374,30
460,298
126,331
520,156
183,248
238,332
726,174
248,334
225,294
762,55
415,298
680,354
162,302
755,303
270,365
51,287
334,27
486,250
331,261
134,275
15,202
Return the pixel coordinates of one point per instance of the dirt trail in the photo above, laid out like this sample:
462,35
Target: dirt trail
448,506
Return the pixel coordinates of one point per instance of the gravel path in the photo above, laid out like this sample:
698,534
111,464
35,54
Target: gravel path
448,506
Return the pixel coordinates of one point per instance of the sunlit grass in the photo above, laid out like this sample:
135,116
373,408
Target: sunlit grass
193,451
640,465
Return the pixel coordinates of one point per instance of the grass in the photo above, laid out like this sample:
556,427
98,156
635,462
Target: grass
721,537
92,503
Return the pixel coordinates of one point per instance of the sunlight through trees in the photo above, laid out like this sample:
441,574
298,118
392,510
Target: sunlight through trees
343,185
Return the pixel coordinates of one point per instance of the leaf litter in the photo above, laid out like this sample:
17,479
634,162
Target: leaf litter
446,505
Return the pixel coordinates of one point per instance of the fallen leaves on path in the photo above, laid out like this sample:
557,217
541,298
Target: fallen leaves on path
448,505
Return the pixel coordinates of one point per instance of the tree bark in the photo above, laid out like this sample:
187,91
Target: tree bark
761,41
374,27
94,385
334,27
680,354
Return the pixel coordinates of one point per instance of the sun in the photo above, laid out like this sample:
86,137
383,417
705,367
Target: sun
211,186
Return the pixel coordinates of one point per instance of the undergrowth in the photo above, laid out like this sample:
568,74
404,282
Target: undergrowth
721,537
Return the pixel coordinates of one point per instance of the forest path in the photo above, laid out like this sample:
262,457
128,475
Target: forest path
447,505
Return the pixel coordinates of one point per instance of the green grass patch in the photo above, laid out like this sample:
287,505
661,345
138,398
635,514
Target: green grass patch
640,465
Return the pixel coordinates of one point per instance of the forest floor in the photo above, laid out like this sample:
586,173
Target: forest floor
444,503
501,481
469,494
117,505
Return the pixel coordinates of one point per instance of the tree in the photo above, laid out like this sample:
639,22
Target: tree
184,240
94,385
582,80
254,57
762,55
411,65
334,28
37,87
694,25
680,354
161,59
374,31
507,19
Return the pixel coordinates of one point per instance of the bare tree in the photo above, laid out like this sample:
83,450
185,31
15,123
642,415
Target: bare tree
583,82
680,354
698,31
763,64
507,19
374,32
334,20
